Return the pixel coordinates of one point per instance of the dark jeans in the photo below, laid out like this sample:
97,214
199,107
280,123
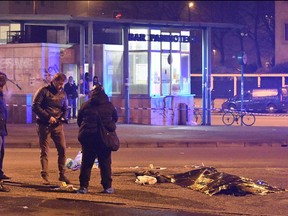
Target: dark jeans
72,106
91,149
2,151
58,137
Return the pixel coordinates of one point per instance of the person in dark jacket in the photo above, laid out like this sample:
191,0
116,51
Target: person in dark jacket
71,90
96,81
3,130
50,107
98,106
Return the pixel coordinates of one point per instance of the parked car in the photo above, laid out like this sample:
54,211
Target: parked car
260,100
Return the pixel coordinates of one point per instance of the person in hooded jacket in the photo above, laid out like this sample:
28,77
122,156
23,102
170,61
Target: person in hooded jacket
97,106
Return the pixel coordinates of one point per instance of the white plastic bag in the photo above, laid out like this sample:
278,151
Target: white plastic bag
76,163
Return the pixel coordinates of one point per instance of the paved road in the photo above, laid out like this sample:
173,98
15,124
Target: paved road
257,152
30,198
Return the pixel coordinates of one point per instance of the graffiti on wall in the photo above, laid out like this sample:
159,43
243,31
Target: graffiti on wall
19,63
49,73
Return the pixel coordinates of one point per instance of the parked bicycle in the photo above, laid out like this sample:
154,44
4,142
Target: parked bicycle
246,118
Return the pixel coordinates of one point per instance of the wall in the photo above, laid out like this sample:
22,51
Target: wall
30,66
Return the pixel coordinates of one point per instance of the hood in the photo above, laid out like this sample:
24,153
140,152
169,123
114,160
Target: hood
99,97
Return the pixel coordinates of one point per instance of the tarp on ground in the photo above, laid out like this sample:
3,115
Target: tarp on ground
210,181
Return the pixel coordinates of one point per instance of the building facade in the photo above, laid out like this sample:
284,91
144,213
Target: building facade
281,32
144,66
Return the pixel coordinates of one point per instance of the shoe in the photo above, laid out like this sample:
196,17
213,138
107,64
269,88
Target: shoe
64,179
45,180
82,190
4,177
4,189
108,191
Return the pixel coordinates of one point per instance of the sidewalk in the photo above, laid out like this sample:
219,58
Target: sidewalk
131,135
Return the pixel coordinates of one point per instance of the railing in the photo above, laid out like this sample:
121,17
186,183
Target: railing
16,37
258,80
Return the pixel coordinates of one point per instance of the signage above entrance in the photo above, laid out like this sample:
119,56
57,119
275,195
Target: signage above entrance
161,38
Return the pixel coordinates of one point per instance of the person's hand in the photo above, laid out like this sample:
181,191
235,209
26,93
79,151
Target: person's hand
52,120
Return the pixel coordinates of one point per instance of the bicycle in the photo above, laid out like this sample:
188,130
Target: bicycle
247,119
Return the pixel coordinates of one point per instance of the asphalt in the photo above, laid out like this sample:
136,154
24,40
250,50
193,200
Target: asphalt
170,147
131,136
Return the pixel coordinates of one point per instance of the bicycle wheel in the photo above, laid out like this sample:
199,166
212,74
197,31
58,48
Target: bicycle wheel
228,118
248,119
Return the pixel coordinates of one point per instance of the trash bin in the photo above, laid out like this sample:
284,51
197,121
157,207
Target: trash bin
183,114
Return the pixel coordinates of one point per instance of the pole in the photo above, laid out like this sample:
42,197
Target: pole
242,89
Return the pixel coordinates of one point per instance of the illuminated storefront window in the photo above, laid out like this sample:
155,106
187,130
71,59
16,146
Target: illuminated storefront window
168,72
113,72
138,73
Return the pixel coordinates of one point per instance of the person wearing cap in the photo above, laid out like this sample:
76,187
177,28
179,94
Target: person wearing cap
3,130
50,107
96,107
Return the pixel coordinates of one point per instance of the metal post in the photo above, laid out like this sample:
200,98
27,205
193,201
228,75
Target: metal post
206,76
126,74
242,90
82,56
242,86
90,49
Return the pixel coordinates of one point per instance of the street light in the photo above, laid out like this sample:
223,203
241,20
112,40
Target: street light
243,33
190,6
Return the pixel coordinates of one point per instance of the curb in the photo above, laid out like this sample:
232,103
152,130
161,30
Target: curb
163,144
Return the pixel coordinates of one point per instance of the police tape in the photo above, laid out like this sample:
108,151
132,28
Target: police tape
198,110
149,108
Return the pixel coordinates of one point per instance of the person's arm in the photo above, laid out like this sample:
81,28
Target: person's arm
37,106
115,115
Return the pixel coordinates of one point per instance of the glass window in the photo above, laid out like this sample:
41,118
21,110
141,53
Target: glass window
138,63
15,27
185,76
112,76
155,45
139,45
165,75
165,45
176,73
3,33
155,74
185,46
176,44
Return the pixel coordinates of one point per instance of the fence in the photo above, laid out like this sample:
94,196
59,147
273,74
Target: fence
227,85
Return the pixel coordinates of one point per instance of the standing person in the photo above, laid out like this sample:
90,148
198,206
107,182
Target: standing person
50,106
71,91
98,106
96,81
3,130
85,89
